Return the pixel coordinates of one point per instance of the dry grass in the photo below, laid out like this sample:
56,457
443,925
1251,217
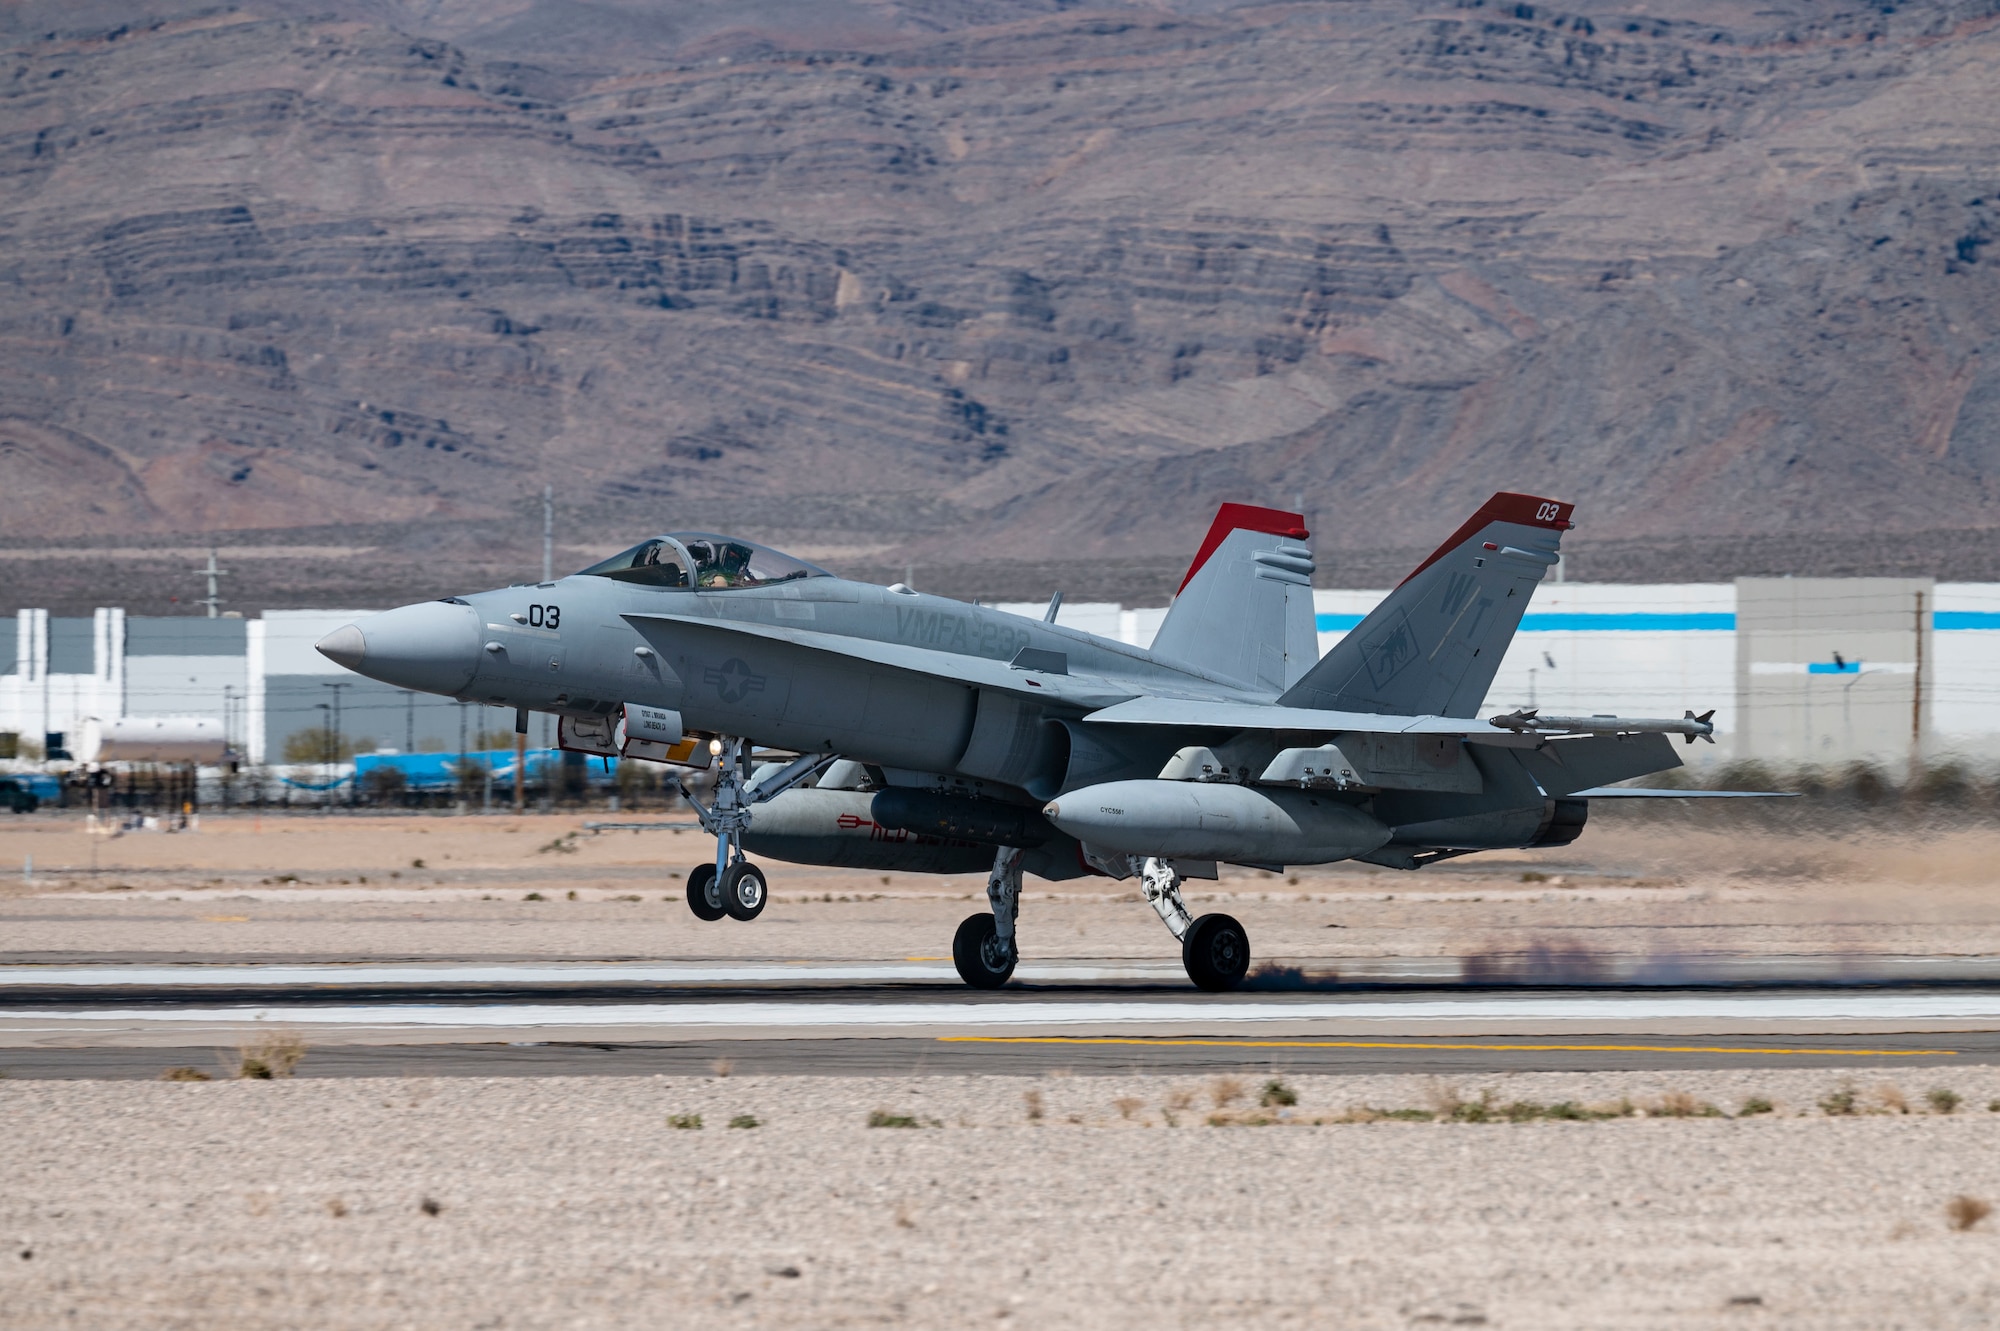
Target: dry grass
1963,1212
273,1056
1679,1104
1033,1103
1225,1091
1891,1098
722,1067
185,1074
1128,1105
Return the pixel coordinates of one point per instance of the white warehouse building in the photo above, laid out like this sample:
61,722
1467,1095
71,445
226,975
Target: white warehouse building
1797,669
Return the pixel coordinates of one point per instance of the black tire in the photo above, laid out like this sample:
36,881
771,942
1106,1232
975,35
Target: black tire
744,891
1216,953
704,899
976,951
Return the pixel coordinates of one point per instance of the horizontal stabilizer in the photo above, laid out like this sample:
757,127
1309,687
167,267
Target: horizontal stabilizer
1638,793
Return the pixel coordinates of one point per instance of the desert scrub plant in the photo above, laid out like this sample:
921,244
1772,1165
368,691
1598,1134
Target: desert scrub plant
685,1122
1892,1099
1474,1111
882,1118
1679,1104
745,1121
1276,1094
1032,1103
1942,1100
185,1074
1225,1091
1963,1212
1128,1105
1839,1104
1754,1106
273,1056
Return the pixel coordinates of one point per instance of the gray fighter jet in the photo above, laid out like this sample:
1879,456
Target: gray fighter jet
933,736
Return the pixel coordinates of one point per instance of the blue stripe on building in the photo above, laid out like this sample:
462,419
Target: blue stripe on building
1966,619
1586,622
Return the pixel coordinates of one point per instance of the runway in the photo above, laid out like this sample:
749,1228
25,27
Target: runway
812,1017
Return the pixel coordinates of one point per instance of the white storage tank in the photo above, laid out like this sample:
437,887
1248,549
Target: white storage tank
154,739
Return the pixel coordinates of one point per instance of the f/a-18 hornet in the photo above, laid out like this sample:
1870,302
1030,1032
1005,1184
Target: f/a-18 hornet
933,736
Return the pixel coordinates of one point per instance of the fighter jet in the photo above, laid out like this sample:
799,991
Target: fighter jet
927,735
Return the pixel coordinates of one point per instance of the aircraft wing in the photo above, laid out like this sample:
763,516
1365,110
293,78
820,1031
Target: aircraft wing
1085,691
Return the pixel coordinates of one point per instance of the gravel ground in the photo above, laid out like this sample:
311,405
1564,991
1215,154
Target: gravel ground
350,887
574,1203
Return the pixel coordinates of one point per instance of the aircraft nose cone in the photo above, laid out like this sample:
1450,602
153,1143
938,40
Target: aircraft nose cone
344,647
432,647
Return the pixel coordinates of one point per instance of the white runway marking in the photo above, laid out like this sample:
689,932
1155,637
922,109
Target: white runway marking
754,972
1549,1011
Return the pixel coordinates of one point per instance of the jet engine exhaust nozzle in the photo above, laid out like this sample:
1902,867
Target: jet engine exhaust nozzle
430,647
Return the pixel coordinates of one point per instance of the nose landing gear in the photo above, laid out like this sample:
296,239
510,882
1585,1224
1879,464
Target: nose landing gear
732,885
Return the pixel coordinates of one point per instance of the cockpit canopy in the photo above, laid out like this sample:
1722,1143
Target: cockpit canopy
703,561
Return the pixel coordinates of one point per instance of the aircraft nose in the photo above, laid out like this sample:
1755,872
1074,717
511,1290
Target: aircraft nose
344,647
432,647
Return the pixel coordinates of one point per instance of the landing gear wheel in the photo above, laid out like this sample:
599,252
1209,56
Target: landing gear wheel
743,893
1216,953
983,961
704,898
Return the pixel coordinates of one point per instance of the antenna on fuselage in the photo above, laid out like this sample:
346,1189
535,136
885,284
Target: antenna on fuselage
1055,604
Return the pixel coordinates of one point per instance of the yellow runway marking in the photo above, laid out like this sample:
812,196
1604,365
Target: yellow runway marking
1414,1044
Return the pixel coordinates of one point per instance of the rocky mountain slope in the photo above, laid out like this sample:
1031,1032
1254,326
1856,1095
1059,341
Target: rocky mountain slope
1004,291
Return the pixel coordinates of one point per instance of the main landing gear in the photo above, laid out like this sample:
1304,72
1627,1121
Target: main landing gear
1215,949
984,949
732,885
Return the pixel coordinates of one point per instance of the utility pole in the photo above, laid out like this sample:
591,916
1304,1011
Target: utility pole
213,600
548,533
1917,702
409,720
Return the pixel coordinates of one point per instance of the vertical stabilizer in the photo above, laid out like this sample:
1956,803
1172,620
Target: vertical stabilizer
1432,647
1244,610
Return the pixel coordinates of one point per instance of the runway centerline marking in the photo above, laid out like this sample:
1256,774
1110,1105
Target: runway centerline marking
1427,1044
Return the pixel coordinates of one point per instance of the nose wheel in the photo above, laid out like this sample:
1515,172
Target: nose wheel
743,892
705,893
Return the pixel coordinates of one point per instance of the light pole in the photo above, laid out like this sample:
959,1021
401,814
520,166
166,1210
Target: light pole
333,735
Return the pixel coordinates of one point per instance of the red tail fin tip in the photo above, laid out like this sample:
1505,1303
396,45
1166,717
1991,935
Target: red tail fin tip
1243,517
